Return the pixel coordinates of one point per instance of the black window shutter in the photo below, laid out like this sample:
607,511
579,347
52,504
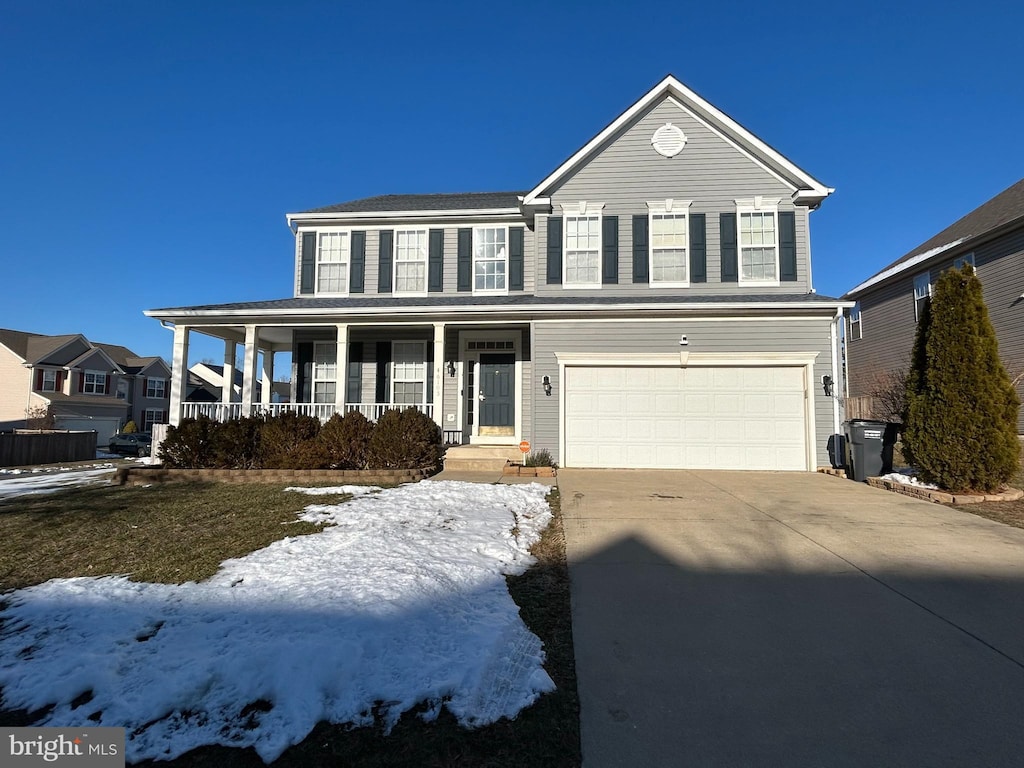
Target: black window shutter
464,258
306,284
610,246
698,249
304,371
383,358
385,259
787,245
554,250
354,378
357,269
516,240
435,270
640,254
430,372
727,224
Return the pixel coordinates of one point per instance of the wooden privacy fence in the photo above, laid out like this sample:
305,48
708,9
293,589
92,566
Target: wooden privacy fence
25,447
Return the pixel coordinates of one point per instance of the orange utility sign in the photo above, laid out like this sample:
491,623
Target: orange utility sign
524,446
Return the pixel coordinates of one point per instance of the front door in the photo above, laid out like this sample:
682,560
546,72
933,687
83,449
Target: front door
497,393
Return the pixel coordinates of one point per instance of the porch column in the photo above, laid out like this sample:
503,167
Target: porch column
179,373
268,377
341,383
249,368
439,374
227,384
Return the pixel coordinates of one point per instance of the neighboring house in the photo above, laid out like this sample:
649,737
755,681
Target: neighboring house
206,385
882,323
647,304
85,386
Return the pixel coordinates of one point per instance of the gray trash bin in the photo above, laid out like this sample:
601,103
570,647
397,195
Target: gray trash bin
868,448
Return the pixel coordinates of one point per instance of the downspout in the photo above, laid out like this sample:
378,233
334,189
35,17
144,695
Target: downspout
839,382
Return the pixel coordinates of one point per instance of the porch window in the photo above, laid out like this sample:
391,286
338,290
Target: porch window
490,259
156,388
332,254
408,373
411,261
669,241
759,246
325,372
922,292
49,381
583,251
94,383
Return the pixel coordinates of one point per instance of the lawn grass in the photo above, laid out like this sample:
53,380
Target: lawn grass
177,533
1008,512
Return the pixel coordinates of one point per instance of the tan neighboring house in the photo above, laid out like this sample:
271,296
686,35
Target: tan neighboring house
881,325
84,385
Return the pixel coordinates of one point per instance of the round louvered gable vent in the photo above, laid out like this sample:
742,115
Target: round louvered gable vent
668,140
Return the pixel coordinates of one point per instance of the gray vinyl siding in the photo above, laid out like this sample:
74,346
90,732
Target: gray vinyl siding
888,324
711,172
756,336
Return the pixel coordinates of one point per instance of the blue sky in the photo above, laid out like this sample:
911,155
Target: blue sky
150,151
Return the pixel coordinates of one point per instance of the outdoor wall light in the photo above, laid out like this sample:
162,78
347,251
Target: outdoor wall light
451,368
683,341
826,385
546,383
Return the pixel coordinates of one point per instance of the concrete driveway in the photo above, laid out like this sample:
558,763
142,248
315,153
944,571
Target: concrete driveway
789,619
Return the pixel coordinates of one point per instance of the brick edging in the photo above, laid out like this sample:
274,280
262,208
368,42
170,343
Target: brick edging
943,497
521,471
147,475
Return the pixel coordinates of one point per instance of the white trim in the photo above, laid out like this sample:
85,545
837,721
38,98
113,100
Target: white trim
747,207
674,208
837,391
927,275
856,308
483,291
314,379
804,360
316,260
390,371
904,266
394,260
471,358
815,192
582,209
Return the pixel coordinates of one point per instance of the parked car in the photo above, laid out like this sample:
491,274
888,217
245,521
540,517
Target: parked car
132,444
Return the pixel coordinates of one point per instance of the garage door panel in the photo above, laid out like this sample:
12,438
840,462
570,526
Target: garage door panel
703,417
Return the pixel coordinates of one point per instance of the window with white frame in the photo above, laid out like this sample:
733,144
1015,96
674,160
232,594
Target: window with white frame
758,242
332,255
325,372
408,373
490,259
856,330
582,249
151,416
94,383
49,381
156,388
959,261
669,243
922,292
411,261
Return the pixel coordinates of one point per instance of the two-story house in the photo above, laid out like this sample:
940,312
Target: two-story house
882,322
647,304
83,385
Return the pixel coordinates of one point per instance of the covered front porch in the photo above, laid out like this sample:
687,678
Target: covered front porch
469,378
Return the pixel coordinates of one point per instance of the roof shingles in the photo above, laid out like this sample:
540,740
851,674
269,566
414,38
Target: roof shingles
457,201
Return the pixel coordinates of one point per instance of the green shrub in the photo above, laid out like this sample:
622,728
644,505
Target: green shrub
128,428
188,445
235,444
345,440
541,458
961,427
289,441
405,439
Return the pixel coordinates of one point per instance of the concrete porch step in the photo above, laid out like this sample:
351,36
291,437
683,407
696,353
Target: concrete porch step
480,458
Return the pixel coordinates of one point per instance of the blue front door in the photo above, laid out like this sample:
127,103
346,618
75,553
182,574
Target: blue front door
497,390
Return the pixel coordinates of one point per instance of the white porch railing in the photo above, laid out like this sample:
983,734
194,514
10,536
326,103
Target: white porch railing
322,411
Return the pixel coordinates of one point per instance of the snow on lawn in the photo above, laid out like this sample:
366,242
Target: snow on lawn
401,602
17,482
908,477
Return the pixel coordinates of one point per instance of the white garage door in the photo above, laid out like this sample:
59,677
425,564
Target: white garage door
105,428
691,418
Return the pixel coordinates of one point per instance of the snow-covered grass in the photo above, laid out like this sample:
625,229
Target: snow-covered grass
21,482
400,603
908,476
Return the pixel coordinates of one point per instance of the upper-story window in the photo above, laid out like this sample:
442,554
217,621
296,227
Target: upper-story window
856,329
490,259
325,372
922,292
49,381
669,243
582,246
332,256
758,240
156,388
967,258
411,261
94,383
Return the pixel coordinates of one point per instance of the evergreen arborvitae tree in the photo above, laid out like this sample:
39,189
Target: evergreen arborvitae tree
915,379
962,421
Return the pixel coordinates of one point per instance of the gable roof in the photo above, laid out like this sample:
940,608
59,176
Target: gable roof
92,352
16,341
1003,210
458,201
41,347
808,189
